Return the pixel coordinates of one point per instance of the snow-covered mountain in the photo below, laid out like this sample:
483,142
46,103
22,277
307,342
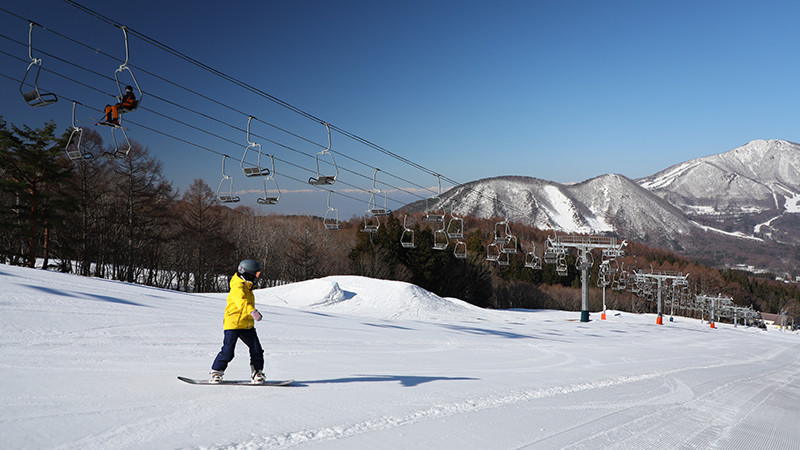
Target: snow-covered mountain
606,204
761,176
736,207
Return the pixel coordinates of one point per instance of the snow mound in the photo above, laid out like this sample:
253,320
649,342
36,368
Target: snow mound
367,297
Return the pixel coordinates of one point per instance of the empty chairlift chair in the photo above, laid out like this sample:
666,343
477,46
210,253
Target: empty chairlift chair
270,199
34,97
373,207
248,169
331,219
407,237
73,148
226,195
325,179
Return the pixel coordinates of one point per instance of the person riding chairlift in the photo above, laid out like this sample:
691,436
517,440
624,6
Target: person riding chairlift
128,102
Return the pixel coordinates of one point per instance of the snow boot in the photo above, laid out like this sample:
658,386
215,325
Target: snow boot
216,376
258,376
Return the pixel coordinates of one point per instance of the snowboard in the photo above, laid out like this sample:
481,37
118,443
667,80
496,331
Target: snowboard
238,382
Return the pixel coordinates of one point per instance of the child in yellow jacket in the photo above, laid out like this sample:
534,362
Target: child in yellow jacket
239,323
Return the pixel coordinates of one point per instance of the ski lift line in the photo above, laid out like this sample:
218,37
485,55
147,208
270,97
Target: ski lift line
342,131
206,131
251,88
208,149
227,106
213,70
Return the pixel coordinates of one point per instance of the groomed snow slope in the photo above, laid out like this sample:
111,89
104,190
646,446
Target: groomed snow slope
91,363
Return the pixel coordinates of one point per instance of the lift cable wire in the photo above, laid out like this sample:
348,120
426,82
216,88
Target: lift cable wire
364,176
255,90
260,92
348,157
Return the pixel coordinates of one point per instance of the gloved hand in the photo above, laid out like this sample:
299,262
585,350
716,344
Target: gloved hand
256,315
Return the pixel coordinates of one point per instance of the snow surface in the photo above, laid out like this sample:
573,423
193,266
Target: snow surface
91,363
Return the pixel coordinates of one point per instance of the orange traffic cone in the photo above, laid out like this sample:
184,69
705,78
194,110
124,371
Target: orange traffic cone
659,321
712,325
603,316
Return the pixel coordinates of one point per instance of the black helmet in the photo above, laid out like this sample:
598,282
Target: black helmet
129,88
249,269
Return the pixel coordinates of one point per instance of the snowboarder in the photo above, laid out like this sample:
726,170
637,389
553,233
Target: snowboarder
127,103
239,323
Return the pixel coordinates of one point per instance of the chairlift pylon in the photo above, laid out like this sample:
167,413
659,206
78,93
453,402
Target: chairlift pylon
73,147
35,97
250,170
226,196
270,199
331,219
325,179
123,68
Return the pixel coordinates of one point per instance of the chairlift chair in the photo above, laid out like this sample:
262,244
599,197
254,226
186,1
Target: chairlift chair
455,228
73,147
250,170
504,259
371,224
493,252
123,68
331,219
35,97
440,241
227,195
531,260
270,199
373,208
119,152
325,179
407,237
460,249
434,215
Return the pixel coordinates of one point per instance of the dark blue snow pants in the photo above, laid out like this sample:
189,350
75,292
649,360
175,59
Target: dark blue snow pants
250,339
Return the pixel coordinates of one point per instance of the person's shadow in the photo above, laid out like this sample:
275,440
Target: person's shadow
405,380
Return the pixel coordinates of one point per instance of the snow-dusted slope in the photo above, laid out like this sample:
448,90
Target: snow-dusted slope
763,175
609,203
90,363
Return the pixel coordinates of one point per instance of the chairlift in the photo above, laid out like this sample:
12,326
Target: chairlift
371,225
226,196
407,237
325,179
433,215
373,208
73,147
503,259
440,241
270,199
503,237
119,152
250,170
331,220
35,97
123,68
561,264
531,260
460,249
455,227
493,252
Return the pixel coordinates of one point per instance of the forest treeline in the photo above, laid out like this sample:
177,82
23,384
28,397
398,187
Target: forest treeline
120,218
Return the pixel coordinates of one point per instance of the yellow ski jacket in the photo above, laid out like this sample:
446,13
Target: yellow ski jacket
241,302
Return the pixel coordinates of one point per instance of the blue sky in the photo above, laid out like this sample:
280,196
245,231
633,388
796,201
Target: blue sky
560,90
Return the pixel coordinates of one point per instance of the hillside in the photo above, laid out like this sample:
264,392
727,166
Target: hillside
92,363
